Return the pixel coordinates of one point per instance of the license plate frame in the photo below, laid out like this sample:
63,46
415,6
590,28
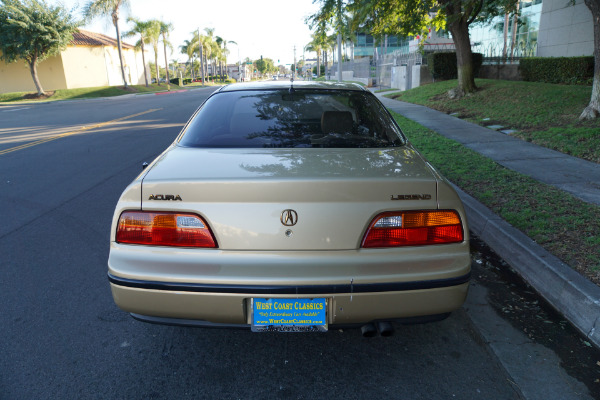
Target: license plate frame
289,315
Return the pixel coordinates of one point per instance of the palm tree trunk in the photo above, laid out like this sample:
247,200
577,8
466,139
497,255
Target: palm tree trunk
166,65
144,62
157,67
318,63
202,63
116,23
192,72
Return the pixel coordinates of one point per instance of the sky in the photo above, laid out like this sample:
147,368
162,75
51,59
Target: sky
270,28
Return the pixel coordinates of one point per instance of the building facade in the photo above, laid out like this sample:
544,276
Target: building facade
543,28
90,60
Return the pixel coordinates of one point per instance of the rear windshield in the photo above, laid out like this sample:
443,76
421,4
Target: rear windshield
284,119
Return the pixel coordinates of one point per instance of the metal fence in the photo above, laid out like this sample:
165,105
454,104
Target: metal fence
378,70
493,52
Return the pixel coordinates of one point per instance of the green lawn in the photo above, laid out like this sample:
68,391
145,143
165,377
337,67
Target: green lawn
567,227
542,113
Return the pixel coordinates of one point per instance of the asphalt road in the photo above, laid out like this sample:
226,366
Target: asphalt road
62,168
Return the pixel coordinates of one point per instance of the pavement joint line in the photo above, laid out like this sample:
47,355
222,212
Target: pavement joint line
80,130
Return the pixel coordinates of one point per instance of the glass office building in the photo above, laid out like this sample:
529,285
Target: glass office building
487,39
521,33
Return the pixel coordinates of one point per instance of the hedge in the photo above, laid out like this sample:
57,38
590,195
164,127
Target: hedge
566,70
443,65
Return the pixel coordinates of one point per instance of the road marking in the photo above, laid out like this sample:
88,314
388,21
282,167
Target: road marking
80,130
17,109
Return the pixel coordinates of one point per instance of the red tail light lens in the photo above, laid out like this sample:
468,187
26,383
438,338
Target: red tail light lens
414,228
164,229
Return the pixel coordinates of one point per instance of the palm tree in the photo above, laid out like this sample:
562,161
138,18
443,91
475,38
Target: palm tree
225,51
196,46
153,35
140,28
211,47
165,29
317,45
188,49
96,8
205,52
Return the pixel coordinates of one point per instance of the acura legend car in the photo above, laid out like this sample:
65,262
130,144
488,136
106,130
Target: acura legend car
290,206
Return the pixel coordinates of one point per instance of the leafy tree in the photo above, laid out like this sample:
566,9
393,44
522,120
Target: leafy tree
414,17
31,30
332,14
593,109
140,28
97,8
265,65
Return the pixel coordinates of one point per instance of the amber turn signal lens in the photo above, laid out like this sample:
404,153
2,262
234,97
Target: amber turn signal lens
414,228
164,229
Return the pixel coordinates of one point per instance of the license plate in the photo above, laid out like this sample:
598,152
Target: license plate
289,315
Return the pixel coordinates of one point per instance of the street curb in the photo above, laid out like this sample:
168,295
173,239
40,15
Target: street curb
171,91
572,295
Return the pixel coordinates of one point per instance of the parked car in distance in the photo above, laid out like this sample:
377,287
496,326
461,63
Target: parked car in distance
290,206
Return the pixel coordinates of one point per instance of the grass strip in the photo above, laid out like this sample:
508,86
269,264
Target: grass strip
564,225
84,93
543,113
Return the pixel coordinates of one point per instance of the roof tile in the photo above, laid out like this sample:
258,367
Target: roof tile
86,38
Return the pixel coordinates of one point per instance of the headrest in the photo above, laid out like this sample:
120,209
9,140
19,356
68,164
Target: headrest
336,122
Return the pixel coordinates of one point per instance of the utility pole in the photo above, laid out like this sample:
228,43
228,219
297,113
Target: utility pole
295,65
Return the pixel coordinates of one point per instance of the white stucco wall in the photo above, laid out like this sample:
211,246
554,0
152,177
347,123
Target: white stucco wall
76,67
565,30
16,77
84,67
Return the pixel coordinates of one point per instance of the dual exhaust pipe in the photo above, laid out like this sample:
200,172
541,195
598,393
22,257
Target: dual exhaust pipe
384,328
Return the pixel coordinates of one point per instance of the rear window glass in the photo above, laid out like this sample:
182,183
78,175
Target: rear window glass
284,119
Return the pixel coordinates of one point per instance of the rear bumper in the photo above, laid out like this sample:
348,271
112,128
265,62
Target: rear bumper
230,304
360,285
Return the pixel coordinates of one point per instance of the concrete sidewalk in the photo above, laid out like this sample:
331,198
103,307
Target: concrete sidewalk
579,177
571,294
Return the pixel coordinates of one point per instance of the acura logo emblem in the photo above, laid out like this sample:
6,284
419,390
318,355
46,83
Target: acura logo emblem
289,217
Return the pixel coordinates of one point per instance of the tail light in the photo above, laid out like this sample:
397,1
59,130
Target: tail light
164,229
414,228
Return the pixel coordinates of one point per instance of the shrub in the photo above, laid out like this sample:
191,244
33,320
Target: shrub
567,70
443,65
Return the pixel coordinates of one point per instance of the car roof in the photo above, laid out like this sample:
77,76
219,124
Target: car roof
274,85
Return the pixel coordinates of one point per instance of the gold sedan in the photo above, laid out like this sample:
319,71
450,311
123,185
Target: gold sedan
290,207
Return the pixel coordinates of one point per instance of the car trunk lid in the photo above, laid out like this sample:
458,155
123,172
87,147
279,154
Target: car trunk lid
244,194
